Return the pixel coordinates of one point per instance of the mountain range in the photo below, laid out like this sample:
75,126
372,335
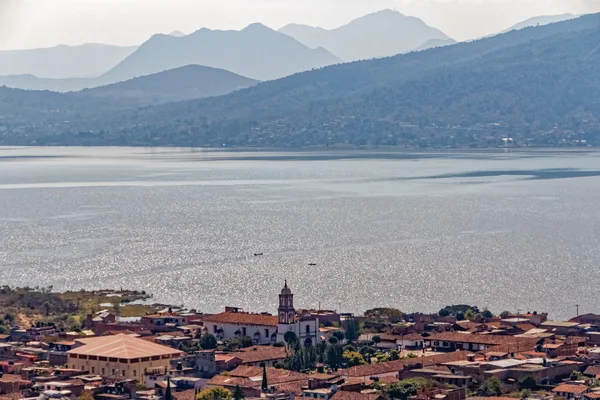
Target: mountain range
257,52
381,34
538,85
60,62
183,83
190,82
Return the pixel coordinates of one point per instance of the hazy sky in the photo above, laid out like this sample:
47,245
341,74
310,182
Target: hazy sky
43,23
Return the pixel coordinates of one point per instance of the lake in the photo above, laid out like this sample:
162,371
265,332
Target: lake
413,230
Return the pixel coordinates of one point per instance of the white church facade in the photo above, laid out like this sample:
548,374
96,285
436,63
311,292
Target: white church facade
265,328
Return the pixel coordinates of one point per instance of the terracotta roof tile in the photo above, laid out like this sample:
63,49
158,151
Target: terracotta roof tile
569,388
399,365
240,318
259,353
122,346
346,395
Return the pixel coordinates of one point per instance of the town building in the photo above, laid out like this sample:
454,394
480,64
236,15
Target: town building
570,391
305,327
265,328
119,356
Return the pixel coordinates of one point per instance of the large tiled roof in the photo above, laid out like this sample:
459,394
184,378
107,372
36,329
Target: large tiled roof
246,376
569,388
121,346
399,365
494,340
240,318
257,354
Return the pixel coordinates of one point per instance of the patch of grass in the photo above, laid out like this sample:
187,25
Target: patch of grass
136,310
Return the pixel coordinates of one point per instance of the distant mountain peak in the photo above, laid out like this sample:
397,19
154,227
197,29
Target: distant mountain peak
380,34
177,34
256,26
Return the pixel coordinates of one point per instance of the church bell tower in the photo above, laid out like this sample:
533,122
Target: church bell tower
286,311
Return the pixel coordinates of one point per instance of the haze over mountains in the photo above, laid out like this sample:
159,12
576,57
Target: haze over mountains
540,21
256,52
382,34
59,62
539,85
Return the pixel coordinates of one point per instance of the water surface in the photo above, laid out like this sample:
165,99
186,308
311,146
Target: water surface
413,230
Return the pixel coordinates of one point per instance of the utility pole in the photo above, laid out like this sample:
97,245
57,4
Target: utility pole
577,307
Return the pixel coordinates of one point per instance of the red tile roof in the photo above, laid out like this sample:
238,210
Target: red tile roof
246,376
257,354
569,388
592,370
494,340
346,395
185,395
240,318
399,365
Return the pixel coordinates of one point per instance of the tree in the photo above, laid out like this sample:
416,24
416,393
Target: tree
353,358
208,342
86,395
400,390
238,393
493,387
444,312
504,314
487,313
46,307
301,359
394,355
576,376
264,384
290,338
352,330
333,356
470,315
339,335
527,382
214,393
376,339
333,340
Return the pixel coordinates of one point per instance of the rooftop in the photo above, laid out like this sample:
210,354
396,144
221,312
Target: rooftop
560,324
260,353
122,346
242,318
569,388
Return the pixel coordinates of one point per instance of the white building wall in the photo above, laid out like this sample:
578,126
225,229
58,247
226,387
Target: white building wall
229,331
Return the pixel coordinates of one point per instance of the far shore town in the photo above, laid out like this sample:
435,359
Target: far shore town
113,345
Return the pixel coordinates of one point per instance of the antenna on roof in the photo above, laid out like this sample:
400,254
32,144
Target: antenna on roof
577,307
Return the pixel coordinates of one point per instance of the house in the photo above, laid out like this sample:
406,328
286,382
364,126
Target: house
592,319
13,384
262,328
225,362
410,341
57,352
258,355
119,356
452,341
570,391
250,379
152,322
561,328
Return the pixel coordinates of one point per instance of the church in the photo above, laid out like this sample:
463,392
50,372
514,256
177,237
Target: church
265,328
305,327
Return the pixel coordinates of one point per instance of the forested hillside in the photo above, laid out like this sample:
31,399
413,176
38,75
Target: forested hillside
539,86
